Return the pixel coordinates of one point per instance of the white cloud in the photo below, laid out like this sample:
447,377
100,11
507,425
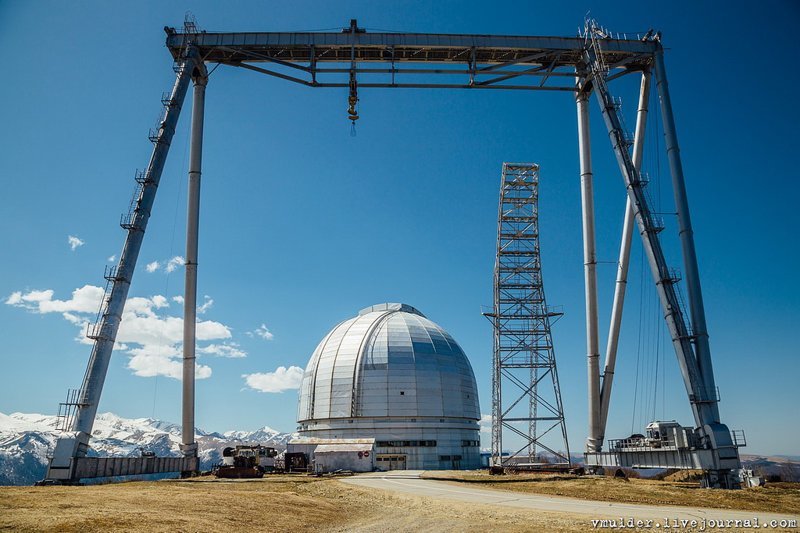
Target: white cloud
174,263
178,299
264,333
278,381
86,300
201,309
150,337
168,265
486,423
112,258
150,361
74,242
230,350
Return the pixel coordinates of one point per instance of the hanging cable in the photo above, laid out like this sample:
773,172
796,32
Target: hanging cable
646,356
663,383
178,196
639,340
658,357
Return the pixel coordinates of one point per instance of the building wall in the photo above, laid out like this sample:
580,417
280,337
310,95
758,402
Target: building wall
345,460
414,436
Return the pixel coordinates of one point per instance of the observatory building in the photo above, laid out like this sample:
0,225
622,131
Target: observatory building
393,375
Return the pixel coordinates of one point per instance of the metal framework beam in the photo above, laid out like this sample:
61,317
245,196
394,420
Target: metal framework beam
590,272
188,444
692,358
400,60
696,307
622,266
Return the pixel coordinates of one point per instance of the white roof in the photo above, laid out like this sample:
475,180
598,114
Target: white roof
323,448
312,440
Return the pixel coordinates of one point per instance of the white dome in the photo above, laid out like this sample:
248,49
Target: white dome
389,361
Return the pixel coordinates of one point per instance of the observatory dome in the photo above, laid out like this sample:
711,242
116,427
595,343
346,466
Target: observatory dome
393,375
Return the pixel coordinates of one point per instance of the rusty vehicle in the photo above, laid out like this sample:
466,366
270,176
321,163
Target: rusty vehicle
244,462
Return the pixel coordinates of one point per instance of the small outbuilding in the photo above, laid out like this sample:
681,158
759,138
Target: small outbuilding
329,455
352,457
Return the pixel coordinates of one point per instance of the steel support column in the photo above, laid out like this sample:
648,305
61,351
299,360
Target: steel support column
665,281
691,271
75,443
189,446
594,440
624,258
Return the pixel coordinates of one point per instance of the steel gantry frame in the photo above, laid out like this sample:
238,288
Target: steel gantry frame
525,387
577,65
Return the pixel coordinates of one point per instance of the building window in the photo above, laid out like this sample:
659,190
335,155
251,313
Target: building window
402,393
405,443
470,443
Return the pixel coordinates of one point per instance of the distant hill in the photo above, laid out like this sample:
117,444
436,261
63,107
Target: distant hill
785,466
26,440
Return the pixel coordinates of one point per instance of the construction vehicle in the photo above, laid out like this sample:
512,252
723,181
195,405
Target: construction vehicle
245,461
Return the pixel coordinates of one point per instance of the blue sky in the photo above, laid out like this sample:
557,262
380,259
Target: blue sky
303,225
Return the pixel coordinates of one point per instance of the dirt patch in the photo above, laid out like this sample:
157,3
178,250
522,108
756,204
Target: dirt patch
774,498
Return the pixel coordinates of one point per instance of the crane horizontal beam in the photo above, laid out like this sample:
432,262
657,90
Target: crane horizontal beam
482,61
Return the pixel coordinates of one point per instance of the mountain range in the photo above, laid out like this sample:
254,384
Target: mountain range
26,441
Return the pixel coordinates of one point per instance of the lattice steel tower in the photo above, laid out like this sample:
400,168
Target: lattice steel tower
526,398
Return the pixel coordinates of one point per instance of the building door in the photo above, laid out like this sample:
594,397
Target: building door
391,462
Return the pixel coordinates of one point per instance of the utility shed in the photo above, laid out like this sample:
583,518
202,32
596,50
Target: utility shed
353,457
309,447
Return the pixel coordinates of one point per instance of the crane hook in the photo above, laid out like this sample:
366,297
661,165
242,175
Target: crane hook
352,99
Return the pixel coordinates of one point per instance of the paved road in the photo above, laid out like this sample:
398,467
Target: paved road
409,482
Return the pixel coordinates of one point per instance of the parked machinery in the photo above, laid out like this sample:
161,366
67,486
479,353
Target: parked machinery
246,461
295,462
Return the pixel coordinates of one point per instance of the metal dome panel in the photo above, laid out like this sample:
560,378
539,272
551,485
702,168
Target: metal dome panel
389,361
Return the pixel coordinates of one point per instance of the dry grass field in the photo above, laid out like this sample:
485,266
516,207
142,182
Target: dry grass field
276,503
300,503
775,497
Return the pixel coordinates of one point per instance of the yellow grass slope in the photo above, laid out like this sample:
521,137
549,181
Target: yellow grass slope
276,503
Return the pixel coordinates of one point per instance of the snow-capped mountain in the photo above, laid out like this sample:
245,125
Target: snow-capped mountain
26,440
